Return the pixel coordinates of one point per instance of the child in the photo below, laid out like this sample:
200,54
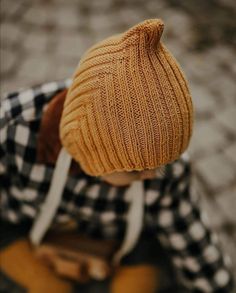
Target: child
126,120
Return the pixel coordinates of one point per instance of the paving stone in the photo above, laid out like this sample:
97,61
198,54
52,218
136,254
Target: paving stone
199,68
11,8
154,8
35,68
228,119
73,3
215,217
98,22
228,3
11,85
221,53
67,17
139,3
11,34
129,16
179,26
223,86
216,171
72,46
227,241
64,69
233,68
40,15
4,8
101,35
178,49
206,138
37,41
227,203
8,60
203,100
99,6
230,152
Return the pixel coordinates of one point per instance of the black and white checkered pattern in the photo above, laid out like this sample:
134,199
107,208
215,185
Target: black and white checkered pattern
100,209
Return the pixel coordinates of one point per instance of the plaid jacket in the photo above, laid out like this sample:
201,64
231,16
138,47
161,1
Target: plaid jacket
25,183
100,209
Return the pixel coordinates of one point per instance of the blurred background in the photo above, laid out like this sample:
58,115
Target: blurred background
43,41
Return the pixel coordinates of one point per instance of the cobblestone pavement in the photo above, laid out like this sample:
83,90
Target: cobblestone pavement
43,40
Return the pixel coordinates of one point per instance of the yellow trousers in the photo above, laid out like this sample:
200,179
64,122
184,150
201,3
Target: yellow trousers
19,263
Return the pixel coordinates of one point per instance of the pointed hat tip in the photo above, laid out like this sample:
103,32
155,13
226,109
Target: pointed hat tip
152,28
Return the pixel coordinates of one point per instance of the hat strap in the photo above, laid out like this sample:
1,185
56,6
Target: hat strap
134,220
135,194
53,198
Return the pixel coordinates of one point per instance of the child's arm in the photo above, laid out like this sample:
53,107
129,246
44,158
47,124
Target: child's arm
193,248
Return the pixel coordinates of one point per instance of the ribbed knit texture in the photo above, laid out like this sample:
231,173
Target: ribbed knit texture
128,107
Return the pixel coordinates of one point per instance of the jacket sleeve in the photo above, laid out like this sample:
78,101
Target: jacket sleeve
182,230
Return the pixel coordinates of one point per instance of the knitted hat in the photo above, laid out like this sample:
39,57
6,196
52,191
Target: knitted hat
128,107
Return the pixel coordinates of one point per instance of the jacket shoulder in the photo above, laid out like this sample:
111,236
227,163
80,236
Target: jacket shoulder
25,103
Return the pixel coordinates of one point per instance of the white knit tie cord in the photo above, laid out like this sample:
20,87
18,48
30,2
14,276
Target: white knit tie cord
134,220
135,194
53,198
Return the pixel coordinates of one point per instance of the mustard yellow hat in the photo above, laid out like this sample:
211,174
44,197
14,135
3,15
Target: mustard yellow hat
128,107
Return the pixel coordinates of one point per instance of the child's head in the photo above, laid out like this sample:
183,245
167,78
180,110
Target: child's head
128,107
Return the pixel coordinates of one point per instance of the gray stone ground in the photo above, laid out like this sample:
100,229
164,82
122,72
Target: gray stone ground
44,40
